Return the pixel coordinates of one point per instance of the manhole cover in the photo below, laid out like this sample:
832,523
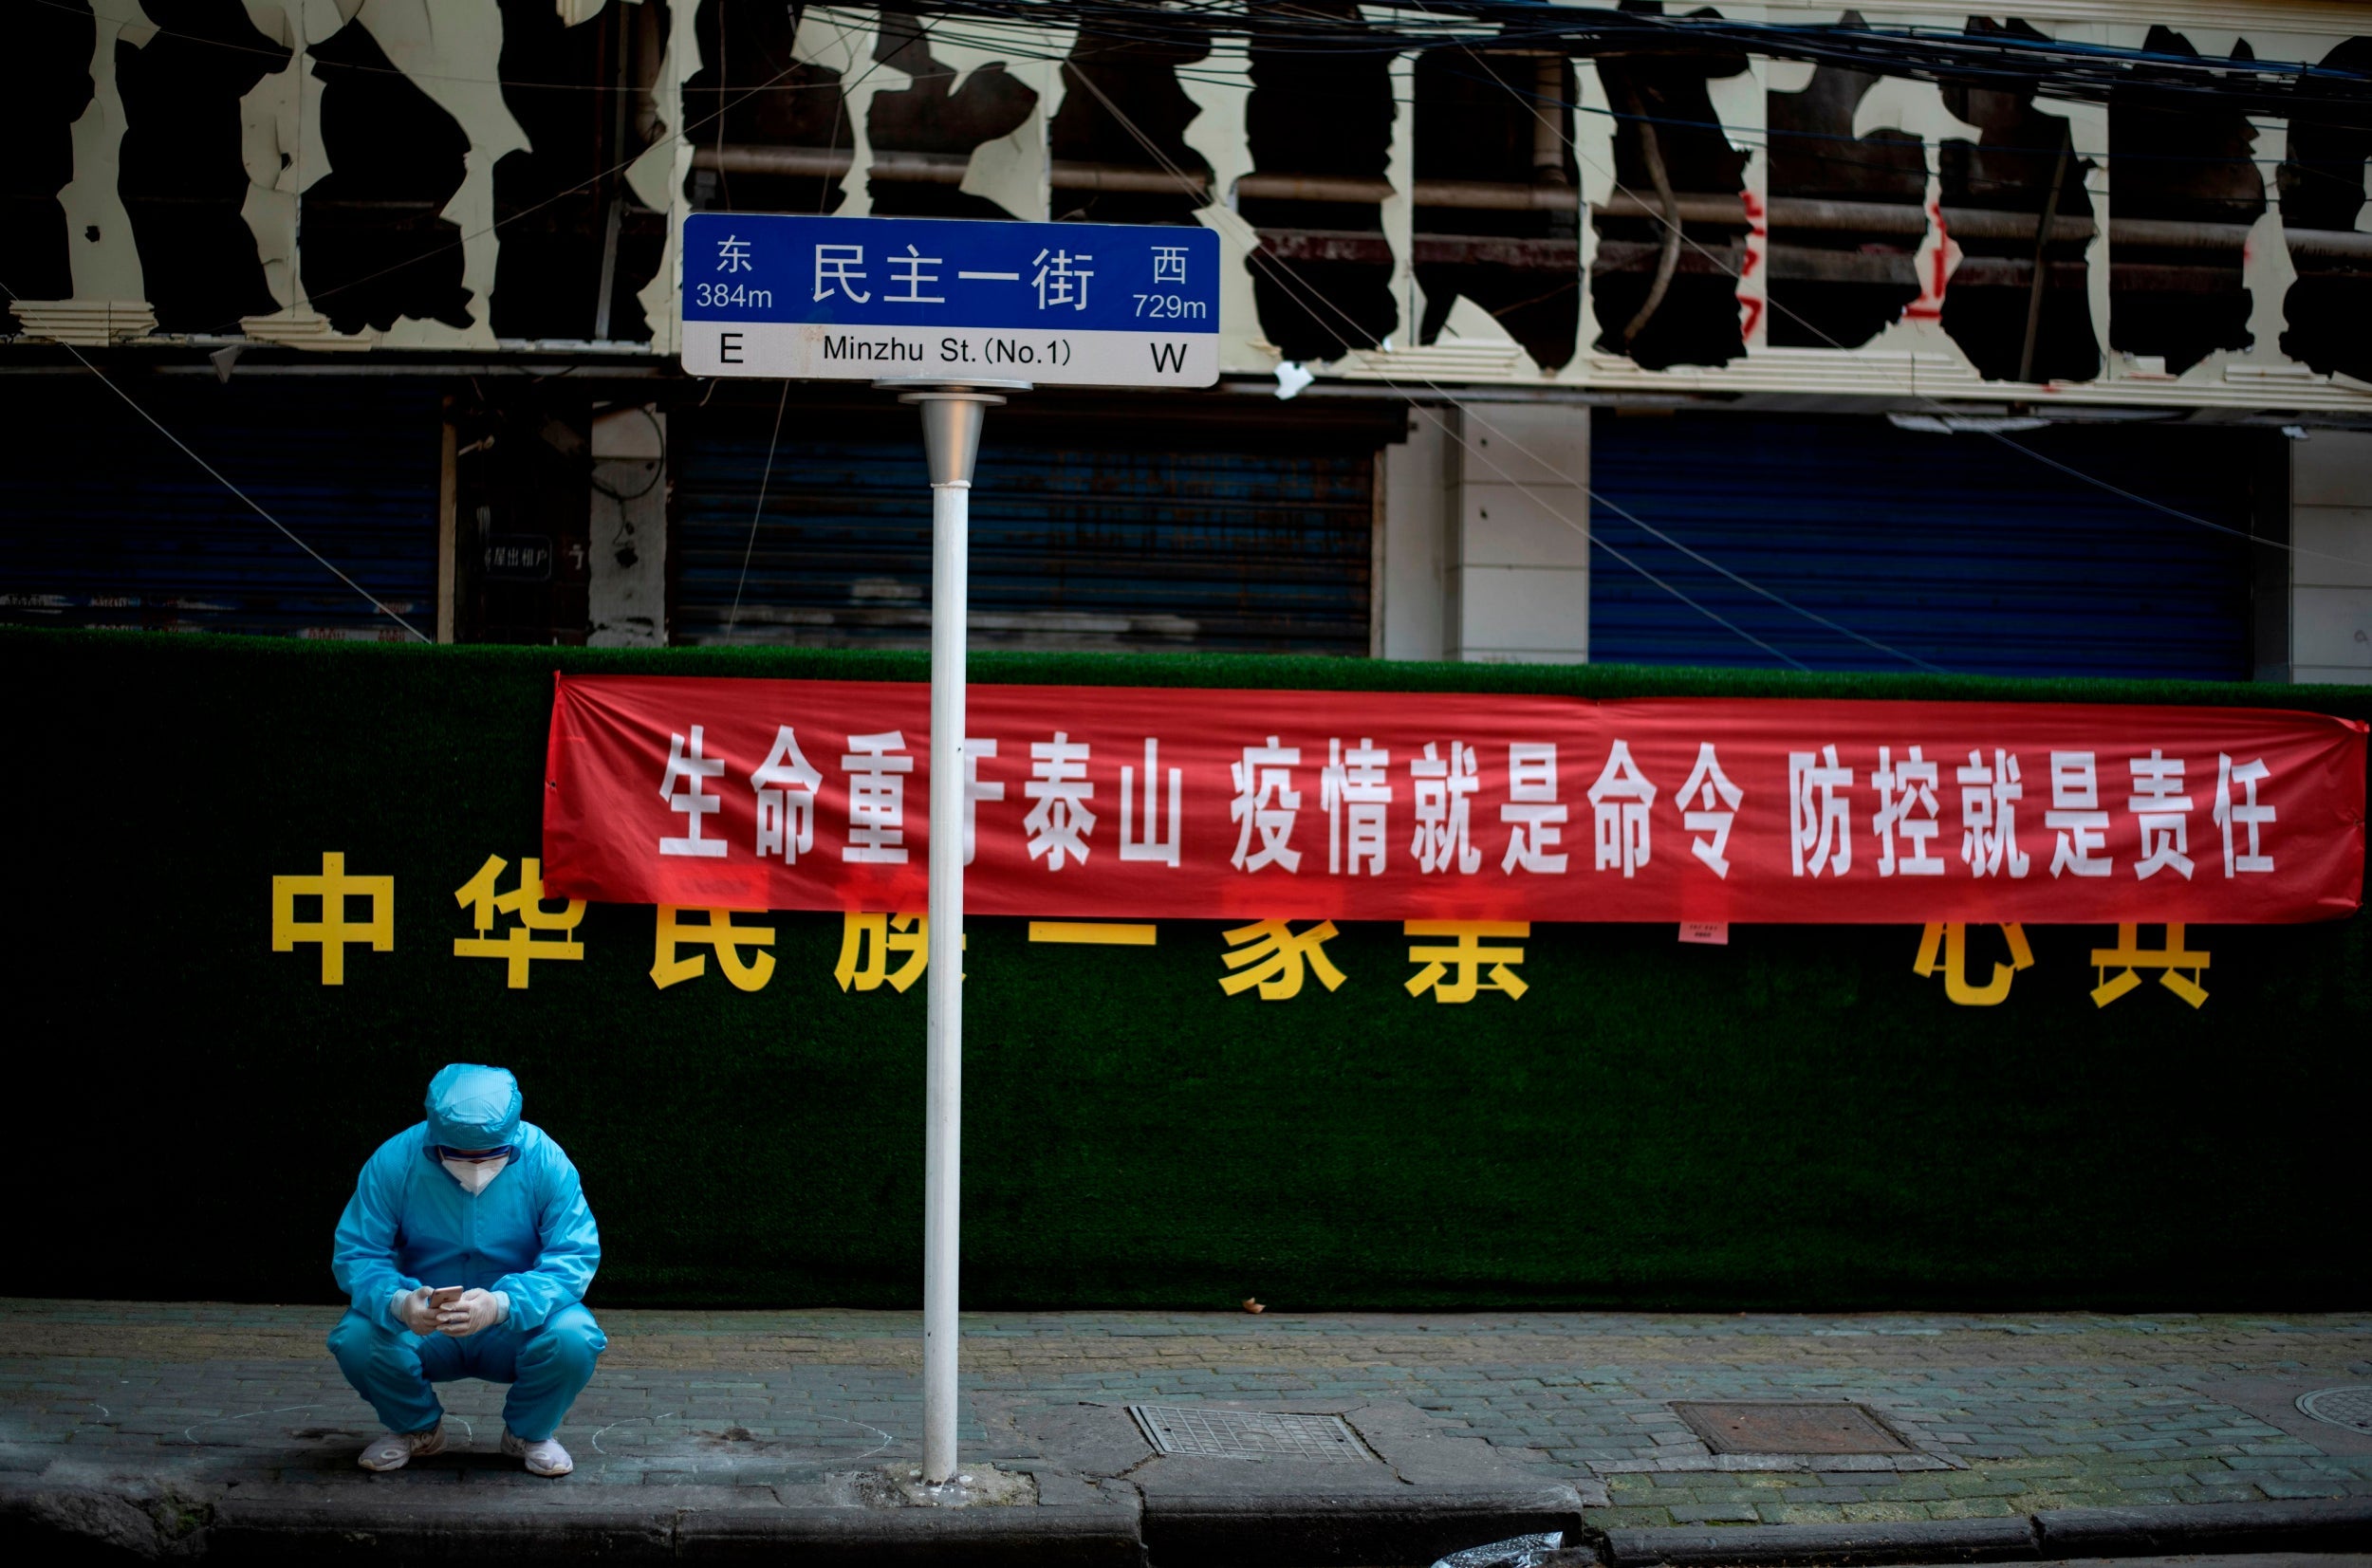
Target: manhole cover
2350,1407
1205,1433
1758,1426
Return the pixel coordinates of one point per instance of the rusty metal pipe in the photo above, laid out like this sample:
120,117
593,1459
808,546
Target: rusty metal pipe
1548,120
937,169
1869,218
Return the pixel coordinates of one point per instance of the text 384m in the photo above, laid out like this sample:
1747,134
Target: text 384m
717,295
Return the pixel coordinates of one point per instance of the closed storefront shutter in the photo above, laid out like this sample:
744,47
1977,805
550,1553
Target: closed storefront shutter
107,524
1955,548
1078,546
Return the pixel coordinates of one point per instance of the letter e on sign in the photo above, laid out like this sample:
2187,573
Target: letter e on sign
728,347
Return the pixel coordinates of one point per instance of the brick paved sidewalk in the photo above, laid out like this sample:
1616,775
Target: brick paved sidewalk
2005,1414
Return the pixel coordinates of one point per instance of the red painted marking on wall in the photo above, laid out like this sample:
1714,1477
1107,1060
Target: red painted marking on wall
1754,308
1929,306
1757,232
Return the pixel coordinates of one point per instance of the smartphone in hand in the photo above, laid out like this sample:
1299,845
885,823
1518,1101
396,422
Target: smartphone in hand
441,1296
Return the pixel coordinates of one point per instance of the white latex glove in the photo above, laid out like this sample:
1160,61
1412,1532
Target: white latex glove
413,1311
477,1311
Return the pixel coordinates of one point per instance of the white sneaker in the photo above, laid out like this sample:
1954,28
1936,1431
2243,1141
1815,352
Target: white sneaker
544,1457
394,1450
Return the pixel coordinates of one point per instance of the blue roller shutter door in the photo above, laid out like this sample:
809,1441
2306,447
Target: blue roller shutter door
1955,548
1089,547
103,523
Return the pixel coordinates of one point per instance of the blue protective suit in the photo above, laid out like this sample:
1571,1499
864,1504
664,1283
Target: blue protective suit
528,1235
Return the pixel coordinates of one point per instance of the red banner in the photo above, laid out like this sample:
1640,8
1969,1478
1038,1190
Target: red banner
1195,803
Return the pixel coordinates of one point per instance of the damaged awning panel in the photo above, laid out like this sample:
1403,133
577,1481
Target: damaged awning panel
2145,206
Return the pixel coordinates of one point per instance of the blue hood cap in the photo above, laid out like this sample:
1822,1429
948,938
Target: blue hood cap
473,1107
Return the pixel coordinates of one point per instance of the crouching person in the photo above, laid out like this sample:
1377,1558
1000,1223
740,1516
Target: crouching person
473,1197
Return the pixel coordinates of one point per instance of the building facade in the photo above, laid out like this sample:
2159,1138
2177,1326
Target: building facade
1895,339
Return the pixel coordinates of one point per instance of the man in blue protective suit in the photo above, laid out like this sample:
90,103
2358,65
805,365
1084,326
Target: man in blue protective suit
472,1197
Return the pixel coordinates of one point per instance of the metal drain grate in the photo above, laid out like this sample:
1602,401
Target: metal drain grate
1773,1427
1202,1433
2350,1407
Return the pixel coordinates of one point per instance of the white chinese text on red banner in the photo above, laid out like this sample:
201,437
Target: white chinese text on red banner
1200,804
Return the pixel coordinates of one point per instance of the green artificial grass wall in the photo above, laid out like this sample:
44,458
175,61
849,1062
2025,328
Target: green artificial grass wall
1794,1120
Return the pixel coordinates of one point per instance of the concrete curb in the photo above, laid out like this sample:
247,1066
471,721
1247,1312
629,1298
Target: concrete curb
1239,1529
137,1522
48,1523
279,1530
1231,1529
1842,1545
1104,1536
2055,1535
1100,1537
2337,1526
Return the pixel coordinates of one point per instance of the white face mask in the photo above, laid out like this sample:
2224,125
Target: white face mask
474,1174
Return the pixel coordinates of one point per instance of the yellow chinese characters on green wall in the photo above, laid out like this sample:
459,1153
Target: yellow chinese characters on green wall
1453,962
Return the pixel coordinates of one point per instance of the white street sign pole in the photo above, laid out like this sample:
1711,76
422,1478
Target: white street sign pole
939,310
952,417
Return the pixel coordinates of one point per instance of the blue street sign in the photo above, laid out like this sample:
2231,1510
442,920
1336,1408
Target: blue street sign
944,299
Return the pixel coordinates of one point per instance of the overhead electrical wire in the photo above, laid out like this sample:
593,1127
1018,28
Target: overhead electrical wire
1299,287
1282,275
284,53
1251,35
2065,68
1253,43
2071,67
1343,41
1035,9
1304,292
1721,265
684,134
765,479
257,506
